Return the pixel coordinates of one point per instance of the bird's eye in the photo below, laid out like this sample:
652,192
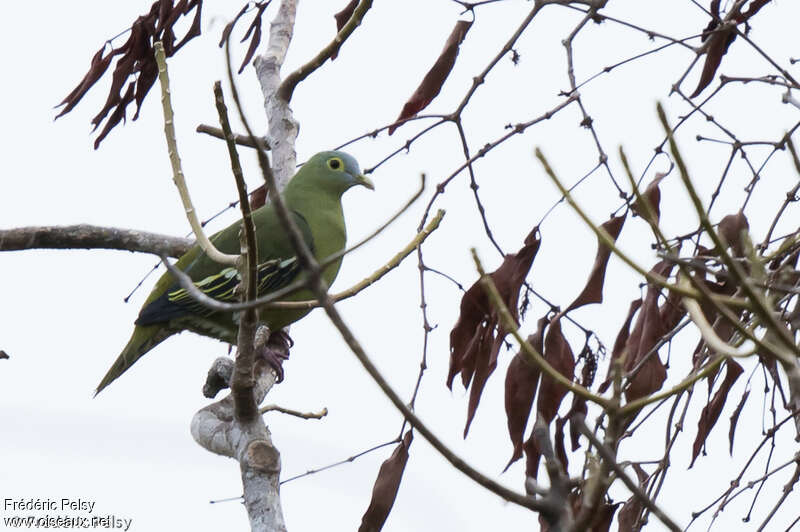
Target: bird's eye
335,163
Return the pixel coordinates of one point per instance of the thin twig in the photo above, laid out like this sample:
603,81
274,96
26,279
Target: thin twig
292,80
240,140
175,160
296,413
243,379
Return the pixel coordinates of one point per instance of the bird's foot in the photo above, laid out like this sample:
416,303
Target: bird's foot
275,351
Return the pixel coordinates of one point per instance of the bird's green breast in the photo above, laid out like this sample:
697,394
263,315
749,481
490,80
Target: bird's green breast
325,219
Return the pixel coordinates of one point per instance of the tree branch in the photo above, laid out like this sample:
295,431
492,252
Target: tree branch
291,81
296,413
283,128
84,236
175,161
243,381
241,140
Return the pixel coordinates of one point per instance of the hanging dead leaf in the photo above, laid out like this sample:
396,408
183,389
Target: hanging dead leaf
436,76
477,336
593,291
341,19
253,33
117,116
558,354
135,62
717,41
640,346
226,32
258,197
730,229
711,412
671,311
630,511
620,343
522,378
386,486
651,212
97,68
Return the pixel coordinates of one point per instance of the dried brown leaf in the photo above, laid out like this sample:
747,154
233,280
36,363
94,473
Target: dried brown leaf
436,76
477,336
711,412
251,50
718,45
134,63
146,80
486,354
652,195
641,474
646,333
135,47
258,197
730,229
118,115
341,19
195,29
671,311
344,15
522,379
620,343
97,68
558,354
629,514
3,355
254,33
384,492
226,32
593,291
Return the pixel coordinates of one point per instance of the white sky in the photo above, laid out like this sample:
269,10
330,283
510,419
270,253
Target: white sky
63,320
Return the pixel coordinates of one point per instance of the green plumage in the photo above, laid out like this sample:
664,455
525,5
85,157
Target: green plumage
313,197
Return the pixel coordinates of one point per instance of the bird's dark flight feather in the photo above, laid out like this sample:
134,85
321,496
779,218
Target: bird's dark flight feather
177,302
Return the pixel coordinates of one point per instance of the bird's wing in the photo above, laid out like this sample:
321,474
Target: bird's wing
279,267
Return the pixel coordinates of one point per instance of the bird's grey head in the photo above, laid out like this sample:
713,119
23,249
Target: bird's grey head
335,171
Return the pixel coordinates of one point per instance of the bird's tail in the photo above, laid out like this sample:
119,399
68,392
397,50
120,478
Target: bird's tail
143,339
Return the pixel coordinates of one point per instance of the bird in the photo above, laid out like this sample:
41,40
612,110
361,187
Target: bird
313,198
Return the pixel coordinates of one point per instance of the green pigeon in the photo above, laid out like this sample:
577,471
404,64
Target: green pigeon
314,199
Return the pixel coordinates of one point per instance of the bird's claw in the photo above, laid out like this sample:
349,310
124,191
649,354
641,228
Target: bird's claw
275,351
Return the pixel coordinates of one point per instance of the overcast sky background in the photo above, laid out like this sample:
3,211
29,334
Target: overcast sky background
64,320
